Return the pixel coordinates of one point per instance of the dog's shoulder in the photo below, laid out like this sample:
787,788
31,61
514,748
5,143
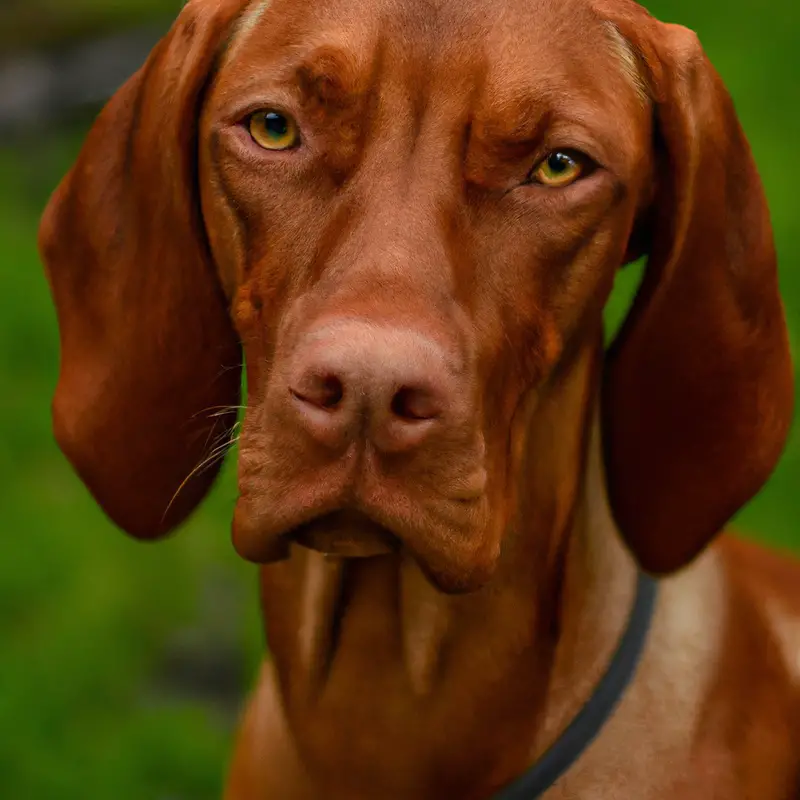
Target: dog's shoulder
764,589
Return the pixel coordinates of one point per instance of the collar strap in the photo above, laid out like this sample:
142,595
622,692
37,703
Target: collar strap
588,723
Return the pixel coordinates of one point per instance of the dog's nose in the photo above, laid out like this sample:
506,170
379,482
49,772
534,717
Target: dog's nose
352,379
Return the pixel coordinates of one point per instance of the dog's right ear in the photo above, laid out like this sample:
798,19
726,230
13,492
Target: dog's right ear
150,364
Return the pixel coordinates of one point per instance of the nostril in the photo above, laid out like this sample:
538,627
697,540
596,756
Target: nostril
414,404
323,391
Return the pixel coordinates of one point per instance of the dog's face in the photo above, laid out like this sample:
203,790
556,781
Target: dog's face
409,216
414,210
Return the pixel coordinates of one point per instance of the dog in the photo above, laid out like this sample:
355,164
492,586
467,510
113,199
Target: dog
475,527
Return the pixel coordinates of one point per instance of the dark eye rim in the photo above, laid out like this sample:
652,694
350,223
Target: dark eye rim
587,163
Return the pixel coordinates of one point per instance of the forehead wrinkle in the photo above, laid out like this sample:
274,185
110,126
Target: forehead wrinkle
331,72
626,57
245,25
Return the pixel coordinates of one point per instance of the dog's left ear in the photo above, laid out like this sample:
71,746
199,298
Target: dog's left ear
698,387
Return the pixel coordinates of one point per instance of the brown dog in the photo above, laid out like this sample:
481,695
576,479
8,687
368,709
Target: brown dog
409,215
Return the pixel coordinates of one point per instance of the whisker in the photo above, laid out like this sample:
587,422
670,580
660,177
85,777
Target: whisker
216,441
225,411
218,410
217,454
227,368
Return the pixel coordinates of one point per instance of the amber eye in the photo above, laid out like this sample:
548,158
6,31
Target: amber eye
273,130
559,169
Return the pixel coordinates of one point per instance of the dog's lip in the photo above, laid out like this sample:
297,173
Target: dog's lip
443,529
347,533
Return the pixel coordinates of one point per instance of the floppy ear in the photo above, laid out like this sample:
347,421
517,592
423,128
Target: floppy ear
698,387
148,353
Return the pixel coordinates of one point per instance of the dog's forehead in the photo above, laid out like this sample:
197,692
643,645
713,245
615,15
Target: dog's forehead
510,44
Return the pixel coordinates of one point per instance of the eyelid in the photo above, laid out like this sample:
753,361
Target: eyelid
574,153
569,142
246,104
244,117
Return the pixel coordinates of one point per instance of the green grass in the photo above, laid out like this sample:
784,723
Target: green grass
88,617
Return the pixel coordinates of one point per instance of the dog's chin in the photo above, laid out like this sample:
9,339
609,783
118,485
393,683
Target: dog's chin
346,534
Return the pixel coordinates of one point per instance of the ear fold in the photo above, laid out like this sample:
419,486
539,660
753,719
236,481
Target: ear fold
148,354
698,389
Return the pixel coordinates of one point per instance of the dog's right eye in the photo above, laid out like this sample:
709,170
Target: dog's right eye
273,130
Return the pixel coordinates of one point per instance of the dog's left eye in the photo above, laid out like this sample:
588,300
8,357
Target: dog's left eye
273,130
560,168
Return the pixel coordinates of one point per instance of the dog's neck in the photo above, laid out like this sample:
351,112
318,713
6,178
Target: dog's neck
376,666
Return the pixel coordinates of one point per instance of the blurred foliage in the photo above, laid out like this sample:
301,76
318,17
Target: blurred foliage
88,617
27,23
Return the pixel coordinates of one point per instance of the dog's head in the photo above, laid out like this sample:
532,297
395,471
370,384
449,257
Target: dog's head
409,216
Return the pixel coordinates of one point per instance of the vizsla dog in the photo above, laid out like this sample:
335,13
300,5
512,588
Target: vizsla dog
405,217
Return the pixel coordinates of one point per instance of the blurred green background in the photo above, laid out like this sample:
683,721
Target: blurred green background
122,665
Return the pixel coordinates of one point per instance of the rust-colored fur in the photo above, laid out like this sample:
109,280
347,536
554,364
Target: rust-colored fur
448,484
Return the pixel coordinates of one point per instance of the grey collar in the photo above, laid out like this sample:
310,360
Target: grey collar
588,723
